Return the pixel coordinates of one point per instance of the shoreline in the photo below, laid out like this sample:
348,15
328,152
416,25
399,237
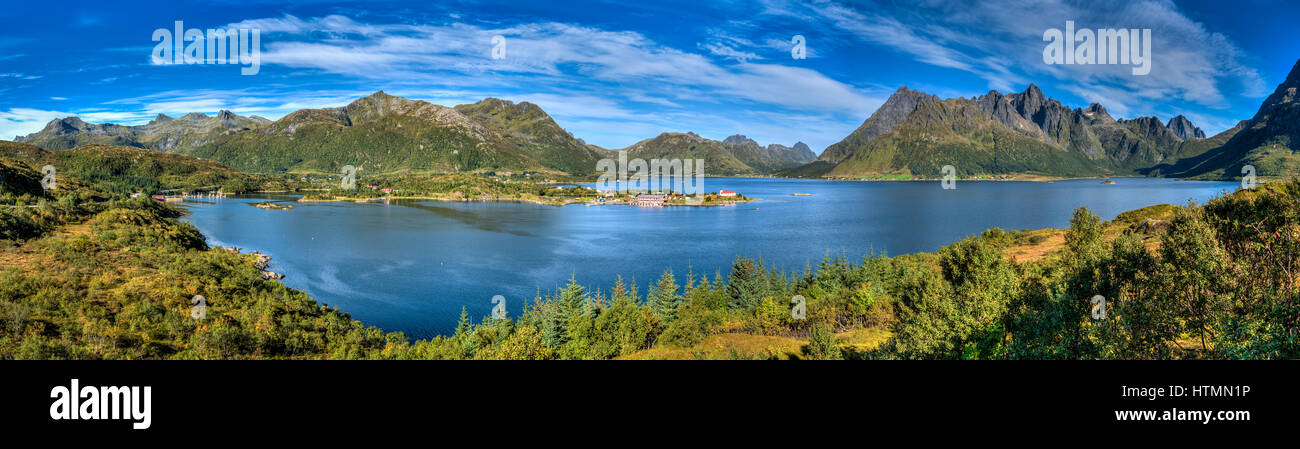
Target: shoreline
508,200
1011,178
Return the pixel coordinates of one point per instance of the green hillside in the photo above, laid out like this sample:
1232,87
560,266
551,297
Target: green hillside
955,132
379,133
530,131
124,170
718,160
1027,133
1269,141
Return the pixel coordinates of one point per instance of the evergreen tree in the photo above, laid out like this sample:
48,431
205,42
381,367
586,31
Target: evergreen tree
745,285
664,298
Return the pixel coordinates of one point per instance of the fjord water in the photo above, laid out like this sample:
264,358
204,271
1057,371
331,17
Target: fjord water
410,266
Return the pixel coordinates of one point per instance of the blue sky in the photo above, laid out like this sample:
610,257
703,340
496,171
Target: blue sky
614,73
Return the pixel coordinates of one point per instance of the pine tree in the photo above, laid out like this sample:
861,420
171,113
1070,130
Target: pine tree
462,326
620,296
664,298
745,286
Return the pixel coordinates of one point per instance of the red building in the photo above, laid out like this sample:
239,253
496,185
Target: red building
649,201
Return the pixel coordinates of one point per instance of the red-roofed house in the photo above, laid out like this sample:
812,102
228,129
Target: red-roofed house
727,193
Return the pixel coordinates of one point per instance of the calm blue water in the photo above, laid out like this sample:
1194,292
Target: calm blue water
410,267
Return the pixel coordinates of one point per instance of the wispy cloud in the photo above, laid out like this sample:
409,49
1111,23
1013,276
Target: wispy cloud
613,82
1001,42
562,52
614,69
20,76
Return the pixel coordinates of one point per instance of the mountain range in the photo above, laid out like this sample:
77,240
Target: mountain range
381,133
911,134
915,133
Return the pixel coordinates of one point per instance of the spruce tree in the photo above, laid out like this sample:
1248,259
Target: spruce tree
664,298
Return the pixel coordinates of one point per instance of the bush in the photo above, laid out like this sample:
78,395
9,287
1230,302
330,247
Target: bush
822,345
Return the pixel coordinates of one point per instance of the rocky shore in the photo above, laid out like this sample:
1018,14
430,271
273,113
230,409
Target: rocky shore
262,262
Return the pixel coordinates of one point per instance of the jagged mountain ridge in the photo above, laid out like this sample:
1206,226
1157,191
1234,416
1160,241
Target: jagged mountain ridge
378,133
718,159
735,155
990,132
770,158
162,133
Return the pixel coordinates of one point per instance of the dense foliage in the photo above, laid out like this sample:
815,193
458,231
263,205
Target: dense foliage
115,278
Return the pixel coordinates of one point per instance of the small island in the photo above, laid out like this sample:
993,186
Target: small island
273,205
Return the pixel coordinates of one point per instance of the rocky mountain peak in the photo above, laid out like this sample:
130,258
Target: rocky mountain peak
1183,128
900,104
374,106
905,95
67,123
378,95
1029,102
522,108
738,139
1097,114
1287,93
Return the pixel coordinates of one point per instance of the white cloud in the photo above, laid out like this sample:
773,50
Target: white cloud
559,53
726,51
1001,42
20,76
24,121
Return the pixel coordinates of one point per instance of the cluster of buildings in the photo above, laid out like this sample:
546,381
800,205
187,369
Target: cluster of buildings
649,200
658,200
181,198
